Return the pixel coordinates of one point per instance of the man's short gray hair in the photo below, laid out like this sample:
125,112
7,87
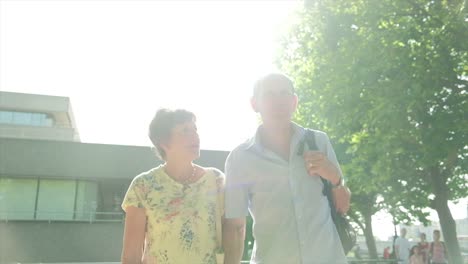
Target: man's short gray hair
270,78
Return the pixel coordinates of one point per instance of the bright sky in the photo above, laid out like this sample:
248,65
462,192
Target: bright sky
119,61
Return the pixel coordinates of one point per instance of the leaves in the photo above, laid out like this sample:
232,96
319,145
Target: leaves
388,82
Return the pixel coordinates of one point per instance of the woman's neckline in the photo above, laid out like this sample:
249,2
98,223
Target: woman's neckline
199,179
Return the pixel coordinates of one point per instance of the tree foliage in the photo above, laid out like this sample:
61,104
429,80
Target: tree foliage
388,81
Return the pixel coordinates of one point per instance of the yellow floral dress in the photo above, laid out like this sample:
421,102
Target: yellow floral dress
181,223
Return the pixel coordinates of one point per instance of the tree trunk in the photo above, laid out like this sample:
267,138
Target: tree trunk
449,230
447,223
369,235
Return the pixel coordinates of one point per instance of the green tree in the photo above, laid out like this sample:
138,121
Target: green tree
388,81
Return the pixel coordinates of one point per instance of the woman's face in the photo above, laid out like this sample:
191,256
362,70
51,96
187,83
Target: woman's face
184,142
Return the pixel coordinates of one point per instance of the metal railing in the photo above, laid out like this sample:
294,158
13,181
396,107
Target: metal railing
360,261
54,216
372,261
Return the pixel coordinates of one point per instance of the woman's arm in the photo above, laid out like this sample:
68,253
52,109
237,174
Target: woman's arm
233,240
134,235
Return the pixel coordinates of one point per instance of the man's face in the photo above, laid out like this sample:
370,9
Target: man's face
276,101
403,232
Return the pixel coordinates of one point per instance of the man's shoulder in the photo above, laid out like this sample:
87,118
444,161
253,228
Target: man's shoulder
244,146
316,132
320,137
241,154
403,241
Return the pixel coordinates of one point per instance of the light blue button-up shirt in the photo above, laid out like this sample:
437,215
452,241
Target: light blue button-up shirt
292,221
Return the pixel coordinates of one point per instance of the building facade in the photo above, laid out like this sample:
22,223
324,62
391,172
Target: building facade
60,198
37,117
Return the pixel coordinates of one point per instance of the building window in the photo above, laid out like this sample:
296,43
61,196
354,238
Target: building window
56,200
26,119
47,199
86,203
17,198
6,117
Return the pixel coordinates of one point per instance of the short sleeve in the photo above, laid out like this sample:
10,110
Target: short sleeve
134,194
236,191
331,154
220,179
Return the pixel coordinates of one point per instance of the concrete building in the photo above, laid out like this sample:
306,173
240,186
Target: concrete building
37,117
60,198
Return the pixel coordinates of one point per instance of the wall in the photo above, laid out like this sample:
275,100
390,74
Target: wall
37,242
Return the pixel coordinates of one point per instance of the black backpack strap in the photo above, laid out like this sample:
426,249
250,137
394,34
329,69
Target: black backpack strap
343,227
309,139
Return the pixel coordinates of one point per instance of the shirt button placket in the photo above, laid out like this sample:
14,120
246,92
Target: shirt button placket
297,207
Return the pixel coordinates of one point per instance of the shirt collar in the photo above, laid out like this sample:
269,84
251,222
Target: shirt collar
255,142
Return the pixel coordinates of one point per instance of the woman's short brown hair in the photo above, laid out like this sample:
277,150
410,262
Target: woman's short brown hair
162,124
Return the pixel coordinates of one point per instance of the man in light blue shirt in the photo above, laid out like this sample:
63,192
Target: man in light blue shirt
281,188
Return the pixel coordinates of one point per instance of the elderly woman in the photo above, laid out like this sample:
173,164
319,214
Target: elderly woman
173,211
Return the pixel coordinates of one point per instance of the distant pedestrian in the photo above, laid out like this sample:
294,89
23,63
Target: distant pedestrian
424,248
386,253
402,247
437,250
416,256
